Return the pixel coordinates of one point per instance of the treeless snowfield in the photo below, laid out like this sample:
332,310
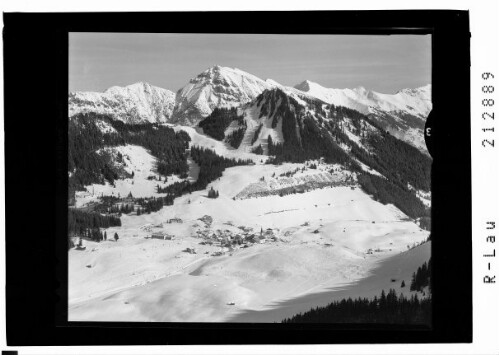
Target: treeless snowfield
322,240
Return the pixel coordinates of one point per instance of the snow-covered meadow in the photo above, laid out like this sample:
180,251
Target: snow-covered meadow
321,238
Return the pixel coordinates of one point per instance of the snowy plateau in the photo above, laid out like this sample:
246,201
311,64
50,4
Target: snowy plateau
310,206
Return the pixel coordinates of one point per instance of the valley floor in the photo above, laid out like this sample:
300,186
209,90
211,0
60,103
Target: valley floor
333,237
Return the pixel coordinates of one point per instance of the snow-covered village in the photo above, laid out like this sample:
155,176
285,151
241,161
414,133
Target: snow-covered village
241,199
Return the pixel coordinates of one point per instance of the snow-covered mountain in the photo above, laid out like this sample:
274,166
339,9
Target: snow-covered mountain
413,101
131,104
403,114
287,127
215,87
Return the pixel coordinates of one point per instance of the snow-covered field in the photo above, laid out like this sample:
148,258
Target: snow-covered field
387,274
322,238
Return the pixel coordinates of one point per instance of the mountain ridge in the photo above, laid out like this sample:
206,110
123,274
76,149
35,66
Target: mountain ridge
403,114
133,103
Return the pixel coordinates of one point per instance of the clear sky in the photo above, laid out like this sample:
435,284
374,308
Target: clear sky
385,64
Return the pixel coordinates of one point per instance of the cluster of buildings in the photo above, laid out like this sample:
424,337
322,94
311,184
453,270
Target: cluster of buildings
230,240
227,239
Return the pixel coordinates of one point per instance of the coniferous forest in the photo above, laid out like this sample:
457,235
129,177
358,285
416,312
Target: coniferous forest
217,122
88,166
236,137
88,224
422,277
383,309
403,166
385,191
78,221
400,163
211,166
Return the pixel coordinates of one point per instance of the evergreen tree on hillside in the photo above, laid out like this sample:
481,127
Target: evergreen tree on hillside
212,193
236,137
116,237
89,163
217,122
258,150
387,309
421,278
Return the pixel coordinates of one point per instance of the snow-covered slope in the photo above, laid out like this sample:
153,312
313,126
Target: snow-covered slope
322,241
131,104
137,166
198,139
403,114
413,101
399,267
215,87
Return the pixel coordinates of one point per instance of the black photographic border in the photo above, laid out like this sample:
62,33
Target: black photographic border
35,95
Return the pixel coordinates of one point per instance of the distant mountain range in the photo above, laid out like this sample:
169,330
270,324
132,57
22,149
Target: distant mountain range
402,114
131,104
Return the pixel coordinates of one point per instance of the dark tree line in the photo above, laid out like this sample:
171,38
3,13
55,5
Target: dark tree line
258,150
154,204
176,189
217,122
385,309
163,142
385,191
125,208
268,100
88,224
422,277
86,166
315,104
425,222
212,193
393,158
256,134
397,160
305,139
313,143
211,166
79,220
235,137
